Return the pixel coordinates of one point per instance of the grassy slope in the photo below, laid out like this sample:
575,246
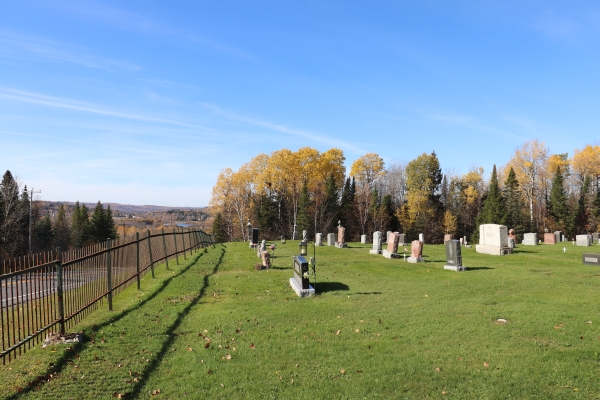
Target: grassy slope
379,329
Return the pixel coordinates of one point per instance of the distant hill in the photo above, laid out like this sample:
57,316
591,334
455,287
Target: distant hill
127,208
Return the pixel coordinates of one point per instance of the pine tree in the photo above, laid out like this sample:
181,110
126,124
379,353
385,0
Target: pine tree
99,227
60,229
331,206
80,225
557,206
581,214
494,207
111,229
388,209
13,214
514,203
43,237
218,229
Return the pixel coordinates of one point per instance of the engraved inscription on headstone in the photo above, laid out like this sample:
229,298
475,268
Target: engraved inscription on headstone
591,259
453,256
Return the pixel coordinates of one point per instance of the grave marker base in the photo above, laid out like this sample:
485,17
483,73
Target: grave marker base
389,254
415,260
299,291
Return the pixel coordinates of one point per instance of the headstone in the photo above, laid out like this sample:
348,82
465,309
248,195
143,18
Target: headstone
465,240
363,239
249,231
254,235
558,236
511,235
447,237
258,251
591,259
453,256
387,237
263,245
331,239
511,243
549,238
392,247
421,238
282,239
376,243
304,235
319,239
341,237
596,237
402,240
493,239
416,252
461,241
584,240
266,259
530,239
300,282
295,232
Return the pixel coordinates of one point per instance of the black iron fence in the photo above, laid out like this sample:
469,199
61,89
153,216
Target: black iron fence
55,290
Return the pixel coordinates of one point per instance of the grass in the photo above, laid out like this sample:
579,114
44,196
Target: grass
213,327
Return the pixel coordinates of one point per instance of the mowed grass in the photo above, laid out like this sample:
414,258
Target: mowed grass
214,327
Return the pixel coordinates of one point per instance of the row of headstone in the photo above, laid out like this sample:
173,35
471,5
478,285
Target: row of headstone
493,239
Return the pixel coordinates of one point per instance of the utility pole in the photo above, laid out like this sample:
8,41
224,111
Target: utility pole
31,192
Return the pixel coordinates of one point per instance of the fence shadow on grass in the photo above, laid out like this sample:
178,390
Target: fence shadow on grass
477,268
324,287
75,349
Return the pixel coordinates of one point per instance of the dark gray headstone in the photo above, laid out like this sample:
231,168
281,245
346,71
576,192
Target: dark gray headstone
591,259
300,269
453,255
249,231
595,237
254,235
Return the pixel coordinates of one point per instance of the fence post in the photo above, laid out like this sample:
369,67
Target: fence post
150,253
175,239
183,239
165,246
109,275
137,261
59,292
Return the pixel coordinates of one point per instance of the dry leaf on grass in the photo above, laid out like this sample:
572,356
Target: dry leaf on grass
486,365
252,346
155,392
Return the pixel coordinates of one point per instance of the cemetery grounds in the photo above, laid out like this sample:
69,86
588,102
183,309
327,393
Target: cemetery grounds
214,327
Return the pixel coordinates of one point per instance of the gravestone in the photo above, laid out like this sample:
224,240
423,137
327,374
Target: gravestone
319,239
421,238
249,231
591,259
493,239
341,237
363,239
530,239
461,241
376,243
300,282
402,240
392,247
558,236
465,240
584,240
595,237
447,237
511,243
331,239
295,233
304,236
254,235
387,237
453,256
282,239
266,259
549,238
416,252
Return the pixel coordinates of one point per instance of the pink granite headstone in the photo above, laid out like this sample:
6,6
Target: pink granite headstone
266,259
416,249
549,238
393,240
447,237
341,236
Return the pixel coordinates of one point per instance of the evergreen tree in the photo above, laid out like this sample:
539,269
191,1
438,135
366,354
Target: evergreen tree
388,208
13,214
494,207
346,202
218,229
265,214
110,224
557,205
304,205
43,237
444,192
331,206
514,204
61,231
581,214
80,225
100,224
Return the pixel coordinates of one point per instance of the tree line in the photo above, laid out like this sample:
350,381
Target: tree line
534,191
64,229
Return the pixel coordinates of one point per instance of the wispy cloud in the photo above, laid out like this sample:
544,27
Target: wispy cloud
29,48
58,102
287,130
473,124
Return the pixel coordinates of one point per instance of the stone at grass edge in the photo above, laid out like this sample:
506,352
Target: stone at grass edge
363,239
493,240
319,239
416,252
266,259
377,236
530,239
341,237
453,256
331,239
583,240
549,238
591,259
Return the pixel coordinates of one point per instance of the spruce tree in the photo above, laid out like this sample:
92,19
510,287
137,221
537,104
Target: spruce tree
111,228
99,228
218,229
514,203
43,237
331,206
494,207
581,214
557,203
60,229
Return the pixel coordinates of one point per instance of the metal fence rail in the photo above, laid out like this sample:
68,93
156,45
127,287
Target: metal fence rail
52,289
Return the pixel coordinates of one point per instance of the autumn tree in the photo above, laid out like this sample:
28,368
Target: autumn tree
449,224
529,163
366,170
586,162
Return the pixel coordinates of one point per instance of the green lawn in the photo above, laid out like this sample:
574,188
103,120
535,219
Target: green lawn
215,327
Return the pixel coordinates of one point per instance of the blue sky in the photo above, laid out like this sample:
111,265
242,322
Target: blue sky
144,102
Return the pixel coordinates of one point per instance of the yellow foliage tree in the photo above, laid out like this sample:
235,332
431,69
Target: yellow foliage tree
366,170
586,162
450,223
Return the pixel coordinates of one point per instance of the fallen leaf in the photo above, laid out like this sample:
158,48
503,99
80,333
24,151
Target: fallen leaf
121,395
444,392
189,348
437,369
252,346
338,332
486,365
357,330
342,371
207,345
228,356
589,322
155,392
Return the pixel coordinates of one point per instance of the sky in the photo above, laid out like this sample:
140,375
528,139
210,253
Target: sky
145,102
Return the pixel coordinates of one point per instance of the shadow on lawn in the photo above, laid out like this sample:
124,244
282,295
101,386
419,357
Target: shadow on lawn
477,268
79,347
324,287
